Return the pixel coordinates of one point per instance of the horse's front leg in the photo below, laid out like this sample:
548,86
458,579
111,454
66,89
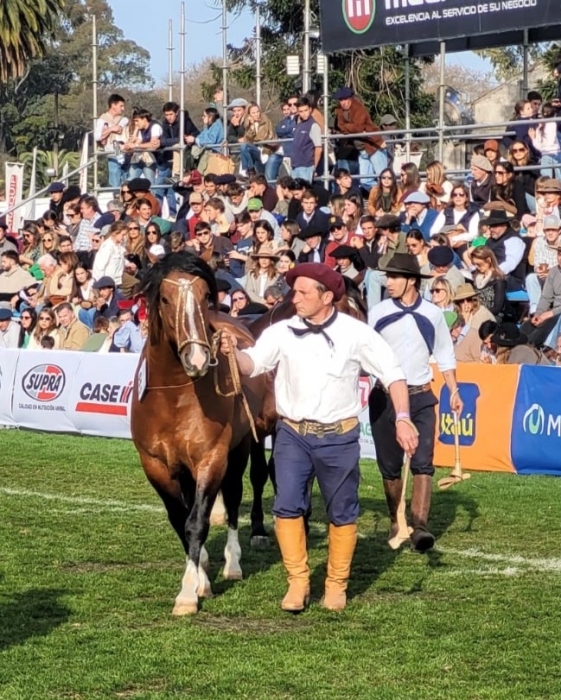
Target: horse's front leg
196,583
232,488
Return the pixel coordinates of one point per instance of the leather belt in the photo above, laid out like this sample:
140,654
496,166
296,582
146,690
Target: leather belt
311,427
418,389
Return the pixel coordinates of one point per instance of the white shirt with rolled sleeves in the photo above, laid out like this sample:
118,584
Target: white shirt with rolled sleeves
317,381
406,341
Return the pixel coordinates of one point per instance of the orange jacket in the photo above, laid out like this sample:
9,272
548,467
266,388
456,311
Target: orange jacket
356,120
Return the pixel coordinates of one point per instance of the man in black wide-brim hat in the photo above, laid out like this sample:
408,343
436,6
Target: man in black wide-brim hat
415,329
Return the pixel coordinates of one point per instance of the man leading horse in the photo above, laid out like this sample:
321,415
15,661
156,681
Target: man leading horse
318,356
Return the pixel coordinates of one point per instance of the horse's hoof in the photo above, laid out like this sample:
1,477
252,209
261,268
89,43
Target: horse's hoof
205,592
260,542
182,609
218,519
233,575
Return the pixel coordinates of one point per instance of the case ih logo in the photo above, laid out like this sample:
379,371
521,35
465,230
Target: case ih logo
359,14
107,399
44,382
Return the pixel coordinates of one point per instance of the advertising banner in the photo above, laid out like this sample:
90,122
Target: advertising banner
536,426
8,365
488,393
14,195
101,393
42,387
358,24
367,449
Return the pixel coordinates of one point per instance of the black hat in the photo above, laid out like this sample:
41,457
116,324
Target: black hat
498,217
335,222
508,335
70,193
404,264
441,256
299,184
55,187
344,93
134,258
389,221
311,231
225,179
104,282
343,251
139,184
252,309
222,285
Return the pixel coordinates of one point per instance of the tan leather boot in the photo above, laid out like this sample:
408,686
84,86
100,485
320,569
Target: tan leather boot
342,543
393,490
421,539
291,536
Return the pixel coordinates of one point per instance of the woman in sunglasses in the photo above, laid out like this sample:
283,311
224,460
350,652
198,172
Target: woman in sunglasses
442,293
386,196
507,193
519,156
49,243
46,325
460,212
239,301
27,322
31,251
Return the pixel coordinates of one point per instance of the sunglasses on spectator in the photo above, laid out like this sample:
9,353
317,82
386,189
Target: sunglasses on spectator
44,318
519,150
47,240
458,194
26,317
96,240
437,289
386,177
500,172
133,228
292,104
202,233
238,298
125,191
151,232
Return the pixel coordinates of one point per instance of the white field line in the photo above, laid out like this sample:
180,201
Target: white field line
87,505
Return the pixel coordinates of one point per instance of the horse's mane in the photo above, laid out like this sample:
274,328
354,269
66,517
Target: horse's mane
353,292
184,261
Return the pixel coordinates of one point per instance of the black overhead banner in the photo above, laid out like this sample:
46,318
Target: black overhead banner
359,24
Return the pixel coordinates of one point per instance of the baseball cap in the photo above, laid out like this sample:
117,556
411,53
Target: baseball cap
196,198
254,204
552,221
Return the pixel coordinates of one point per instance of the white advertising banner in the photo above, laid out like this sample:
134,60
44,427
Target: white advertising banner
42,387
101,394
367,449
8,365
14,195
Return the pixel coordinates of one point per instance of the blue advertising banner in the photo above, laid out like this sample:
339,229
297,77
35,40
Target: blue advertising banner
536,423
468,422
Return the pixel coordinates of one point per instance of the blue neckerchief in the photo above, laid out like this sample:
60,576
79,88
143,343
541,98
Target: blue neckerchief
426,329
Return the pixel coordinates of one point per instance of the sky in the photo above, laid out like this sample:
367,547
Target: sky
203,32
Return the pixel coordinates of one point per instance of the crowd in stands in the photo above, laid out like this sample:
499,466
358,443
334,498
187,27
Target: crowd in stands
490,243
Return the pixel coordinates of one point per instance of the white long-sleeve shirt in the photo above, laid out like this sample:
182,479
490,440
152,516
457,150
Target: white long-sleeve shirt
514,252
546,140
316,381
406,340
109,261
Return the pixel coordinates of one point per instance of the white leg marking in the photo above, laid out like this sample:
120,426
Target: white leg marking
186,602
232,555
204,590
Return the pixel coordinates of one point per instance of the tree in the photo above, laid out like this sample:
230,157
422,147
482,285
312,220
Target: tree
25,28
378,75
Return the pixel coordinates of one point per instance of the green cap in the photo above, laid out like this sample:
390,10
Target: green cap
450,317
254,204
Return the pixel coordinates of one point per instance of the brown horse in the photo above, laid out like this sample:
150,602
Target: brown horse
189,421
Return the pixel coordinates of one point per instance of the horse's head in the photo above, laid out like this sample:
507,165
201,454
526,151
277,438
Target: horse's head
183,288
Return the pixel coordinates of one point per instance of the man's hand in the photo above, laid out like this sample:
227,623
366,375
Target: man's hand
407,437
228,342
456,404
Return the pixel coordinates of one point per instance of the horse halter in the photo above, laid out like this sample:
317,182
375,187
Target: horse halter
188,306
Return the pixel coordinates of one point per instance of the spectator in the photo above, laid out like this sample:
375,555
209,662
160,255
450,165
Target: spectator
441,259
315,243
389,123
287,260
367,245
209,140
89,209
5,242
491,152
508,192
110,259
351,117
49,243
205,243
390,240
460,212
548,308
211,188
545,141
47,343
258,128
442,293
176,242
259,188
353,211
28,321
236,199
284,130
338,235
410,180
535,100
74,333
13,278
513,348
311,215
306,149
31,251
418,214
83,294
100,340
134,240
519,156
235,132
345,257
239,256
145,216
143,146
128,336
239,301
258,213
152,238
417,246
262,274
543,257
344,183
111,135
385,197
489,280
215,215
437,187
274,295
508,248
548,201
469,307
46,326
483,181
9,330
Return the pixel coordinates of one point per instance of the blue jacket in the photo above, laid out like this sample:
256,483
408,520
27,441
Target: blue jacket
213,135
285,130
425,227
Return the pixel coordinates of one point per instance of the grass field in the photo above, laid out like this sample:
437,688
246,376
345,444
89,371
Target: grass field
89,568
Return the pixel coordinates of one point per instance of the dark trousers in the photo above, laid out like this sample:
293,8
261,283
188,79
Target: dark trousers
332,459
388,451
537,335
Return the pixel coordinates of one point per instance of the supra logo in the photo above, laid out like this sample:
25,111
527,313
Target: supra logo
107,399
359,14
44,382
534,420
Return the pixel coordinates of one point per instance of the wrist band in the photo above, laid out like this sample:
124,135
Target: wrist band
402,414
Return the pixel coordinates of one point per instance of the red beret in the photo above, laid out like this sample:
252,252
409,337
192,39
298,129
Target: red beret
320,273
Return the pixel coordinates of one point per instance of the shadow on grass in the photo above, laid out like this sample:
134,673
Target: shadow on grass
33,613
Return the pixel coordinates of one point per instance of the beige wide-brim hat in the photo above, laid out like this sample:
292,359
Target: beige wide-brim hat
265,253
465,291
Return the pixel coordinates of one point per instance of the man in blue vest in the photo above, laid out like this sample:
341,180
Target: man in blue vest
306,147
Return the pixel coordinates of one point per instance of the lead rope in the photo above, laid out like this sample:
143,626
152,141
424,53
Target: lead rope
236,381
